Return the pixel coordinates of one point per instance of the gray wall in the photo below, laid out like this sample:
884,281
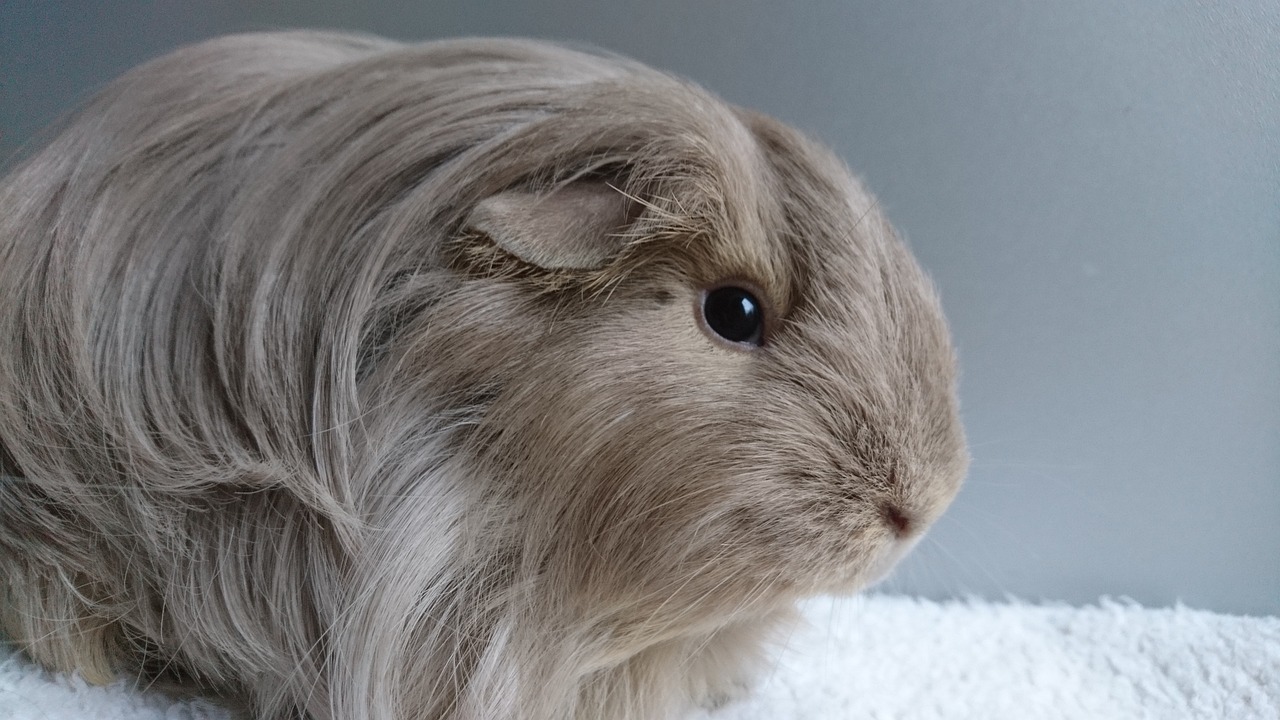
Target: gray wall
1094,185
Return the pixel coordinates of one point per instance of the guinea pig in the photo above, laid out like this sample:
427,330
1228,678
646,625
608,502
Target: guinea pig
475,379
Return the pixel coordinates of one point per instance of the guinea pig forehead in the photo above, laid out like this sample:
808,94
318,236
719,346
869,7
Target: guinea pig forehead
750,247
747,236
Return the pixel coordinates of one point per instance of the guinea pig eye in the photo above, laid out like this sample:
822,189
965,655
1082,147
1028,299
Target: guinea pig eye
734,314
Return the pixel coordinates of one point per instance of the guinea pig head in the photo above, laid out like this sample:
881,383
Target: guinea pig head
711,378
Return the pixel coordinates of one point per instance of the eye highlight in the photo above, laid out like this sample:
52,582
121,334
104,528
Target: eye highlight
734,314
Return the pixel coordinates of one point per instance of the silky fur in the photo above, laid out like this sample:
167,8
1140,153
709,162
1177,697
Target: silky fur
278,424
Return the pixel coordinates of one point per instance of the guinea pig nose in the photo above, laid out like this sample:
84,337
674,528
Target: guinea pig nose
897,520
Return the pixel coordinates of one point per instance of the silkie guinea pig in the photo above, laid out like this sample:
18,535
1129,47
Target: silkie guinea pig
477,379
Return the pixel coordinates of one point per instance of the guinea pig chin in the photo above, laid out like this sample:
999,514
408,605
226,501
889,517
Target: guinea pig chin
871,566
887,558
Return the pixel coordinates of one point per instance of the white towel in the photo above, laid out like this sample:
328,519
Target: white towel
891,657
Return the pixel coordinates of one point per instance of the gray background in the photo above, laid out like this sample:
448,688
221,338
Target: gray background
1094,185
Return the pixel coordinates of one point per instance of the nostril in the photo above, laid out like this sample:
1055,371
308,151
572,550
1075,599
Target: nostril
898,520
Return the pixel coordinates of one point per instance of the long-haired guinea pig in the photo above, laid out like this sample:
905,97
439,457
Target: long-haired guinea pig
479,379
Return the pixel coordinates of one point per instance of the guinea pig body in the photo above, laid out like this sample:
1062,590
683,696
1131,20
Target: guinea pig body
474,379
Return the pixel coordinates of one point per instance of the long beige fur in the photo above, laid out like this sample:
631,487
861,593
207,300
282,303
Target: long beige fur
367,381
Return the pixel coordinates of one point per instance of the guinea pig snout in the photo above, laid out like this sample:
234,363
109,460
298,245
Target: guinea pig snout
898,515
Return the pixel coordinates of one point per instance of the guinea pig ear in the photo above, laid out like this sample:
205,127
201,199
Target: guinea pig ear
578,226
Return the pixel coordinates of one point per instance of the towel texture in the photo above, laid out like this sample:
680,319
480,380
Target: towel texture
893,657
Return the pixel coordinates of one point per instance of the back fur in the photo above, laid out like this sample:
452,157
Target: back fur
278,426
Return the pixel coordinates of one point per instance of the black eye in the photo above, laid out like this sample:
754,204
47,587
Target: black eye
734,314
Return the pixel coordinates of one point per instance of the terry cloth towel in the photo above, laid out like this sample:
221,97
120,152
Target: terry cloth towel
881,657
